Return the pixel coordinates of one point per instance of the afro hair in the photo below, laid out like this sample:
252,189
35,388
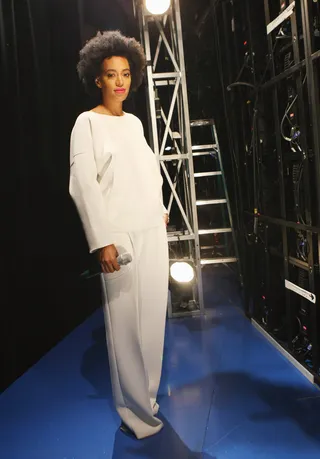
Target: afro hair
103,46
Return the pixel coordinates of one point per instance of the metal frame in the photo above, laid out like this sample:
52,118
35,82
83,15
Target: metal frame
262,258
314,113
237,257
275,103
285,353
158,34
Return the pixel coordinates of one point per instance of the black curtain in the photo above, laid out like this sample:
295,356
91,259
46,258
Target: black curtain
43,246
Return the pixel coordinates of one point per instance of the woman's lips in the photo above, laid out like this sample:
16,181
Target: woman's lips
120,91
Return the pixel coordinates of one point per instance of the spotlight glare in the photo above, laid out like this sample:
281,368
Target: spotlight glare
157,6
182,272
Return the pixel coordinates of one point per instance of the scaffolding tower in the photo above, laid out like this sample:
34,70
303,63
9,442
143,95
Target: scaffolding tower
170,132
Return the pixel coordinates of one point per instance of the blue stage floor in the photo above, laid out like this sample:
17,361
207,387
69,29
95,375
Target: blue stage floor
226,393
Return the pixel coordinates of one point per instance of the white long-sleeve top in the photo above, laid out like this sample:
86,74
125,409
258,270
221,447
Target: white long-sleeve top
115,179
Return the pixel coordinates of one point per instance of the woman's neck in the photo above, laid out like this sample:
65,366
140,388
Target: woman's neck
112,109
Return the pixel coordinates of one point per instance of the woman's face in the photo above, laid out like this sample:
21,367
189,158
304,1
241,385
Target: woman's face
115,78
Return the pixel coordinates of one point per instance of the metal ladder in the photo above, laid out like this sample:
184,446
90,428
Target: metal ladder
212,150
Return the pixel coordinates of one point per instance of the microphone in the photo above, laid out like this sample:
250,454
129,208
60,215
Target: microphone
96,270
124,259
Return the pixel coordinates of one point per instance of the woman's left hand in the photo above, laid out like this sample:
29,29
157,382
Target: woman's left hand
166,219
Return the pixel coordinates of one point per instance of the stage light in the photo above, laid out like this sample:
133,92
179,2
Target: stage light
182,272
182,284
158,6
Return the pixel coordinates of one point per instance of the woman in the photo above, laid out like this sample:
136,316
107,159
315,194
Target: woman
116,185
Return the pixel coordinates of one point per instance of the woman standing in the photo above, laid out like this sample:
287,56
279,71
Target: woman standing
116,185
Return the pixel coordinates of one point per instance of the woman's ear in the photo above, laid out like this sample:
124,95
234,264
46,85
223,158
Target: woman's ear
98,82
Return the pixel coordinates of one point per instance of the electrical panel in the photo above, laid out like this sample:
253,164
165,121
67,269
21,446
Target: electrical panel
270,76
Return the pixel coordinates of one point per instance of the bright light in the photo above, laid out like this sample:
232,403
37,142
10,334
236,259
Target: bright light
182,272
157,6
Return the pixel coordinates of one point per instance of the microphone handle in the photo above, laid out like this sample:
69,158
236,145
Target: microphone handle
122,260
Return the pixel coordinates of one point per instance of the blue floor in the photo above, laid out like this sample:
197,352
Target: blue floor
226,393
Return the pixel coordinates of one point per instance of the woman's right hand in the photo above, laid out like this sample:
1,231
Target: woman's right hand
108,259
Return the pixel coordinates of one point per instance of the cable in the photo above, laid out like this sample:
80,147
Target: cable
287,110
240,83
285,116
297,173
254,146
235,165
297,191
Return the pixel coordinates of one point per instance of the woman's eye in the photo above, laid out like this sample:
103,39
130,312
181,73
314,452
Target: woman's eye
127,75
110,75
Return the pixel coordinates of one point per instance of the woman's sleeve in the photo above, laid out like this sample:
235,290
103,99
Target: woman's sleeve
84,187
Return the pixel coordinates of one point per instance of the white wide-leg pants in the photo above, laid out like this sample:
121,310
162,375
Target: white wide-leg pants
135,302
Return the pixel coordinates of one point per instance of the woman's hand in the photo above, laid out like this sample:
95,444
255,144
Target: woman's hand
166,219
108,259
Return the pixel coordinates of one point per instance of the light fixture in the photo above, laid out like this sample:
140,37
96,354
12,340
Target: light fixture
182,272
158,6
182,283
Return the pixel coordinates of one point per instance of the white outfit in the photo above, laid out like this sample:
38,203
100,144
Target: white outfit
116,185
115,179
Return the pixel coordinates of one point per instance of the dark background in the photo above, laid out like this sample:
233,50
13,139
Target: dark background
43,245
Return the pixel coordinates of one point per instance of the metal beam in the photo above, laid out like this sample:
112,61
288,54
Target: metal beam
163,42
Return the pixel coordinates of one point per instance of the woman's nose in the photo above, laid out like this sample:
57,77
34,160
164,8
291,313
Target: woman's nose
119,81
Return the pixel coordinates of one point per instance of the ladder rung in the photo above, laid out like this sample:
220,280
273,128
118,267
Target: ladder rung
197,123
165,75
207,174
214,261
206,202
165,83
215,231
207,247
211,146
176,238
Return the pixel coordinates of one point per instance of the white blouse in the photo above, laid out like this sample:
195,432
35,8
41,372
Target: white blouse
115,180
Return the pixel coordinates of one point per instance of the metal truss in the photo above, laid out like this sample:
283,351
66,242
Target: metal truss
169,125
